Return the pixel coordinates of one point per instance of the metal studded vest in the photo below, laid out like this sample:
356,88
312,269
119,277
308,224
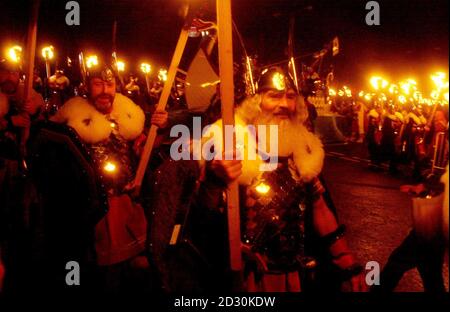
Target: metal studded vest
113,159
274,225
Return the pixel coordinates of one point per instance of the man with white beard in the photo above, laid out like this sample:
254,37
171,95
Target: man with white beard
284,216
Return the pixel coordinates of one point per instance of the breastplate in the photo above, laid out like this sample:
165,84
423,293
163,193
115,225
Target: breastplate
113,159
275,224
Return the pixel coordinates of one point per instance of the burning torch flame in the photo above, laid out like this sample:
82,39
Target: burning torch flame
408,85
393,89
14,53
91,61
47,52
378,82
348,92
146,68
162,75
262,188
120,66
110,167
438,79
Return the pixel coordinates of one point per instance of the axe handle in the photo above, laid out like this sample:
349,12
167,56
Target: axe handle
29,69
145,157
224,25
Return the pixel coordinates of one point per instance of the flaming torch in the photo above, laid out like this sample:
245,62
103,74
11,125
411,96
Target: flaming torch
15,53
146,69
48,54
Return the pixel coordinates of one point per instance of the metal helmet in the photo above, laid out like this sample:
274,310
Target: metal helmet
103,71
275,78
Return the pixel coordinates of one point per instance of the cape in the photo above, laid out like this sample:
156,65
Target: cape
93,126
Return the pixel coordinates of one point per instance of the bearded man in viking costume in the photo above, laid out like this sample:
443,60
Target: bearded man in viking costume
282,207
110,125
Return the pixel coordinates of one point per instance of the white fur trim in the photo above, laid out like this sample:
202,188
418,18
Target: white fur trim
391,116
129,116
308,153
90,124
250,168
423,120
400,117
414,117
93,126
373,113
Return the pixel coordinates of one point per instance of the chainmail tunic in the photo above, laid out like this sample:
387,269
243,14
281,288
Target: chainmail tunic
274,225
114,160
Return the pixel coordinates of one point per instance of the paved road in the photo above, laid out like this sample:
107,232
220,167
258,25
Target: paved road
377,214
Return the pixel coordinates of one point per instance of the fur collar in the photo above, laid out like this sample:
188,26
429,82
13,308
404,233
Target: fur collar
391,116
373,113
400,116
417,120
308,154
397,116
93,126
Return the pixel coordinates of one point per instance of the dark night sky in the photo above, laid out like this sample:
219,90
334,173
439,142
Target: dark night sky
411,40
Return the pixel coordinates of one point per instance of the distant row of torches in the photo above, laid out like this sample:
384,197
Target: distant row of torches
406,90
14,54
403,92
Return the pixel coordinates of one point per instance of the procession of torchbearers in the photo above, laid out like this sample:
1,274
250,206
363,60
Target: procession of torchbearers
397,122
72,194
